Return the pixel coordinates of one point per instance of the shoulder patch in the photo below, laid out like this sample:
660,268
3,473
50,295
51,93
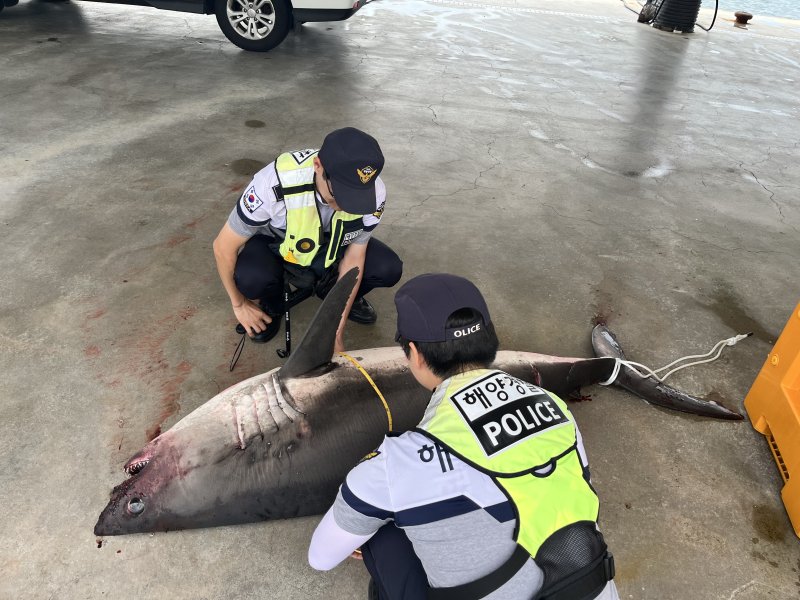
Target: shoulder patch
251,200
300,156
377,214
372,454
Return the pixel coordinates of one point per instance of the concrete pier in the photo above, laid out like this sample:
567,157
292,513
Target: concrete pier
574,163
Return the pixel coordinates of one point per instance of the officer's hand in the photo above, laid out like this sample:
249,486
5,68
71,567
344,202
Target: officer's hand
252,318
357,554
338,345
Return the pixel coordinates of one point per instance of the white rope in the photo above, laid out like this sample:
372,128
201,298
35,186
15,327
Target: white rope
718,348
614,373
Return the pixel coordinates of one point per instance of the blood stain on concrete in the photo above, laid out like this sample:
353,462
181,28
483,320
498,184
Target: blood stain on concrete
133,360
145,362
196,222
177,239
171,393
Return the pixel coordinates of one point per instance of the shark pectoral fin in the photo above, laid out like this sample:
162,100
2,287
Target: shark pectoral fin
316,347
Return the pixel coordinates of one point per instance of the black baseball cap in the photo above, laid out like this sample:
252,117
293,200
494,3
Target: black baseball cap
426,302
352,160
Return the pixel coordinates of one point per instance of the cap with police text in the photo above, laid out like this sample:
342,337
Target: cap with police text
352,161
425,302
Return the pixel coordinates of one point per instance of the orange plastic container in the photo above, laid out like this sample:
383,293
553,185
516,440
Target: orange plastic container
773,404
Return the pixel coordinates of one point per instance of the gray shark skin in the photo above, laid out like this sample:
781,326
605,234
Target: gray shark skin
252,454
605,344
279,444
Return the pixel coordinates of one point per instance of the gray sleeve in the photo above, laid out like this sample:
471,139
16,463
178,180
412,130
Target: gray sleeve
353,521
363,238
241,228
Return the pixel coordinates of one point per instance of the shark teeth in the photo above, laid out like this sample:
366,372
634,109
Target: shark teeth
136,467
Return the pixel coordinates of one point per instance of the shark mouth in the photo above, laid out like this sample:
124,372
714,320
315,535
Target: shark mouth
135,465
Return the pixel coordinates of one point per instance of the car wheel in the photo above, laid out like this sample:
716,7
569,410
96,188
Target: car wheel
255,25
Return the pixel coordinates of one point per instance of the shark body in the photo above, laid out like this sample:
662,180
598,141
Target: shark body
279,444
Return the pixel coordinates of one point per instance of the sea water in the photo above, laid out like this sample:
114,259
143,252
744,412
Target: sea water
767,8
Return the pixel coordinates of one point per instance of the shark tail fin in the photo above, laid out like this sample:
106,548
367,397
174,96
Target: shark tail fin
605,344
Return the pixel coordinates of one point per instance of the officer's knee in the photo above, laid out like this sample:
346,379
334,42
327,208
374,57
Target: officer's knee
394,272
253,282
386,273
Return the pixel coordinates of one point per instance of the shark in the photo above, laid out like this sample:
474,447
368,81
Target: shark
279,444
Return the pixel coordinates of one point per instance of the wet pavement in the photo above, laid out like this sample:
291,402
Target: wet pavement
572,162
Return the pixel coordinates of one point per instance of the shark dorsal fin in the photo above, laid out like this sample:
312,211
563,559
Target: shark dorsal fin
316,347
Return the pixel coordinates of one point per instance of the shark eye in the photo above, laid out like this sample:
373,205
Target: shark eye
135,506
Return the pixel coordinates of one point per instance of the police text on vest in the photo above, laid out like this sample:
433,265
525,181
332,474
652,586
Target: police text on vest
502,410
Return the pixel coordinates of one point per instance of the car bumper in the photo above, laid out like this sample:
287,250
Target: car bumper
310,15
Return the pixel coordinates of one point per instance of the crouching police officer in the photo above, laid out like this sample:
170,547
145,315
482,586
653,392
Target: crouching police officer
489,497
306,213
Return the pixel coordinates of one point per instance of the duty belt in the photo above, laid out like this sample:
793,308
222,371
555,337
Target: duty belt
585,584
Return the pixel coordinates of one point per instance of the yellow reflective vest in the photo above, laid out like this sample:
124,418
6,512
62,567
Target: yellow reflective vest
508,428
304,228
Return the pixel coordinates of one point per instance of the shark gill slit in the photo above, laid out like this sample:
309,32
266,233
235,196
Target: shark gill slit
238,426
283,403
261,402
255,417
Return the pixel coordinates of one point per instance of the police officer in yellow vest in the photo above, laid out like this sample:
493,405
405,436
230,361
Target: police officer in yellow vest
311,213
489,497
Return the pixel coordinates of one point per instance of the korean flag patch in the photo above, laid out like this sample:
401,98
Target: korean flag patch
250,200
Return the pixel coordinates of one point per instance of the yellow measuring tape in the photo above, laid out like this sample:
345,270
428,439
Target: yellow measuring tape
372,383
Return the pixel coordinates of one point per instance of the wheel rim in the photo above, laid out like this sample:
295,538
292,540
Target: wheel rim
251,19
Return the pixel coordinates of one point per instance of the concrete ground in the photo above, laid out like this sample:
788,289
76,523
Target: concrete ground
572,162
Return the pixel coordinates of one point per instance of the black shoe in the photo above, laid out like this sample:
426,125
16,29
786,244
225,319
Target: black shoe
263,337
362,312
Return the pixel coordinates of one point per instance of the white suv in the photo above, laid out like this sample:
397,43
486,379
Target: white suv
257,25
260,25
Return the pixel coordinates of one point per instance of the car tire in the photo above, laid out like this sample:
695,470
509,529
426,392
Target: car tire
255,25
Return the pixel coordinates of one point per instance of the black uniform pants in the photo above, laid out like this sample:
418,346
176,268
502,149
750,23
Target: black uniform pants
390,559
259,271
